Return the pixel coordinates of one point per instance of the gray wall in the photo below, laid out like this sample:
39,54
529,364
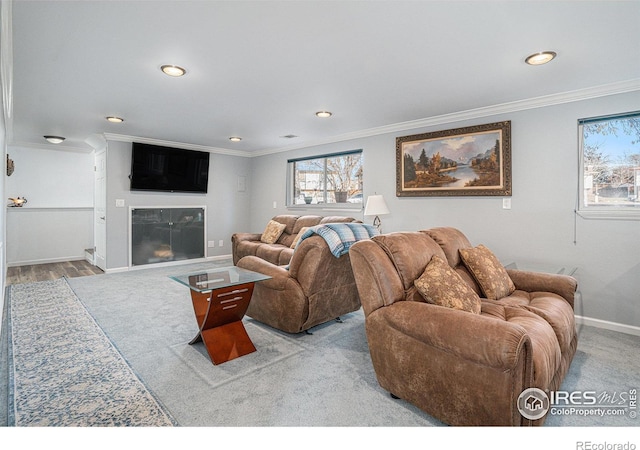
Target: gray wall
52,177
227,207
44,235
541,227
3,211
56,224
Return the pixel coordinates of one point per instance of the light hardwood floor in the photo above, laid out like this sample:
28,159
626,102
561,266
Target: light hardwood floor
50,271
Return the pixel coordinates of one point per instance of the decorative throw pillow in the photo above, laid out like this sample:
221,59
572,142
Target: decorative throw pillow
440,285
490,274
298,236
272,232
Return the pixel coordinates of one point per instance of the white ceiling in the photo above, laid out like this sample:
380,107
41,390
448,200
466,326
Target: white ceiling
261,69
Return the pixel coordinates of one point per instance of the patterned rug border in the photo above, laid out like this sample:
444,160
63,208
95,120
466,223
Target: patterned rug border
162,416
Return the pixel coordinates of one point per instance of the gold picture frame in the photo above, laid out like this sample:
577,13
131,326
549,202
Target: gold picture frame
469,161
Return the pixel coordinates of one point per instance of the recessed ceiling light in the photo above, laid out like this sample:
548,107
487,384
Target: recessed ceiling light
235,139
173,71
114,119
54,139
540,58
323,114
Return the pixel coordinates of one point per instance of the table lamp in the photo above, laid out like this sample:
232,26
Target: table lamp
376,206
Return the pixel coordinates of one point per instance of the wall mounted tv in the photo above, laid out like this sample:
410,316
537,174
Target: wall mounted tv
167,169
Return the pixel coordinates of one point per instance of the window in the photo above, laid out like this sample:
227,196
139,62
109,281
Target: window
326,179
610,166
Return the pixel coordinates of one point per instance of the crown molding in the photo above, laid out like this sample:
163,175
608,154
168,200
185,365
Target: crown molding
55,147
502,108
477,113
204,148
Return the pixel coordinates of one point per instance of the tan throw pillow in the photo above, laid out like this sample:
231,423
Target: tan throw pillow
298,236
272,232
490,274
440,285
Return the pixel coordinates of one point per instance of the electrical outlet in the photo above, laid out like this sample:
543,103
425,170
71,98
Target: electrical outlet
220,243
211,244
119,203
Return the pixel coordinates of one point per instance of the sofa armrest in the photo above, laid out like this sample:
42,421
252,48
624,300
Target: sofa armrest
243,240
279,274
562,285
482,340
237,237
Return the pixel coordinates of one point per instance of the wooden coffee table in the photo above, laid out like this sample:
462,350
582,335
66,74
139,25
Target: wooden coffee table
220,299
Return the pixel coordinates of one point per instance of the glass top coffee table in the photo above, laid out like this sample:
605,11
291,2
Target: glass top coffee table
220,299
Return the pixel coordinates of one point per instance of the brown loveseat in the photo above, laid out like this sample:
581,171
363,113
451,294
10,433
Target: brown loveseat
461,366
314,288
280,252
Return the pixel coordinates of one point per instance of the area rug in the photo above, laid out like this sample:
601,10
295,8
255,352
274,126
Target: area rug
324,379
64,371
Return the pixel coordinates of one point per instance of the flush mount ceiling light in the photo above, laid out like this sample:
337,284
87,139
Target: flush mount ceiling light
235,139
173,71
323,114
54,139
540,58
114,119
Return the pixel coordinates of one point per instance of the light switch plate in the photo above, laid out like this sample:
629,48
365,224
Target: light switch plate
119,203
506,203
242,184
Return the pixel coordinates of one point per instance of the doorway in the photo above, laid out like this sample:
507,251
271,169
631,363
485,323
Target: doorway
100,210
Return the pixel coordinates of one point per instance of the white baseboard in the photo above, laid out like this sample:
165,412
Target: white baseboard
605,324
45,261
168,264
219,257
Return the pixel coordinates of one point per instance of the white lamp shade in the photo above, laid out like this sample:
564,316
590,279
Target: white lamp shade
376,206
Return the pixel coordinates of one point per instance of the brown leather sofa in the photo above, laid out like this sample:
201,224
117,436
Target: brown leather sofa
462,368
314,288
280,252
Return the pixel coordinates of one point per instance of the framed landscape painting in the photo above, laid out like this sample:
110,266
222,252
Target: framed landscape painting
466,161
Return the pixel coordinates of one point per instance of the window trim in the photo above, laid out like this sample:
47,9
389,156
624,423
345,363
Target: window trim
352,207
601,212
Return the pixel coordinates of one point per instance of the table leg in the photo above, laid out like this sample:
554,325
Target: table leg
219,315
227,342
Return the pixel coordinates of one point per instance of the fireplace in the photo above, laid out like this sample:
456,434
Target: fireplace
160,235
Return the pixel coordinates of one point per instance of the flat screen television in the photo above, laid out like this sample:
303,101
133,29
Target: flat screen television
167,169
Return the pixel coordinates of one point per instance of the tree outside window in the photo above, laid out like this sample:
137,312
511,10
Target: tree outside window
610,163
335,178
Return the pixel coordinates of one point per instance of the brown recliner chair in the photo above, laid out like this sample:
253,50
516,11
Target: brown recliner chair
463,368
314,288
